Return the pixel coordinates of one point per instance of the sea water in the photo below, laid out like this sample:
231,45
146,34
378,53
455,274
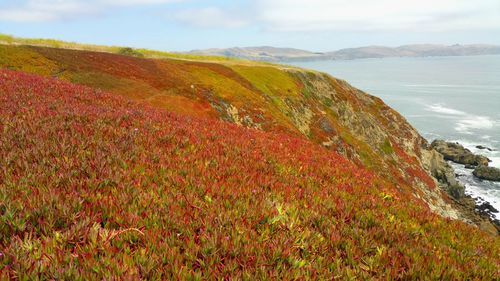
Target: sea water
452,98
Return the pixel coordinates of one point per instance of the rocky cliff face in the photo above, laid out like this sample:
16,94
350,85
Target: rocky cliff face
396,149
324,109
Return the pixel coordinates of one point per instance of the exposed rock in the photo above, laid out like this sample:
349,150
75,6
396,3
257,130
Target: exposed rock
487,173
444,173
328,143
474,213
232,114
459,154
456,190
302,119
470,167
487,207
326,126
435,164
484,148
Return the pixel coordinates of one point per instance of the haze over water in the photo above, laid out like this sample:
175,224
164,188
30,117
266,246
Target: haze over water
450,98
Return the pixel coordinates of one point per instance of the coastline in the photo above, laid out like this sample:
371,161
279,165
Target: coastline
477,190
478,198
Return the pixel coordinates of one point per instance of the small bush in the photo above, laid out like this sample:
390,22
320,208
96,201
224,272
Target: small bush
127,51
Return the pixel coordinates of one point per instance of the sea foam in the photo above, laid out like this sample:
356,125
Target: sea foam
465,122
475,122
439,108
481,191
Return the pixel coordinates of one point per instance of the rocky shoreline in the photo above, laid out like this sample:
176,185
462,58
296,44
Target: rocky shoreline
457,153
476,209
487,173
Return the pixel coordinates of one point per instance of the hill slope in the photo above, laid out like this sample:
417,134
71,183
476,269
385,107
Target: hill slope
93,186
303,103
419,50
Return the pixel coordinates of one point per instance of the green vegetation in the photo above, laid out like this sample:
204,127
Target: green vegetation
269,80
26,60
386,147
127,51
11,40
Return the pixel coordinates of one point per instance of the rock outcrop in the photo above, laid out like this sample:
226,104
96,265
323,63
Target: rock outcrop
482,147
459,154
435,162
436,165
487,173
486,208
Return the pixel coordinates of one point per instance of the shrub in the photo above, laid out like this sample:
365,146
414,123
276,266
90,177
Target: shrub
127,51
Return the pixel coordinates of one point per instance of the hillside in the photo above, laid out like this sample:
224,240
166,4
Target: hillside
284,54
419,50
95,186
17,41
280,99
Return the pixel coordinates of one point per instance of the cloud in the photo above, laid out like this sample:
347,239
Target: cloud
350,15
136,2
362,15
285,15
56,10
45,10
210,17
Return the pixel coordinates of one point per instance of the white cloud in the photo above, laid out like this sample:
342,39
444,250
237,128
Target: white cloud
210,17
287,15
352,15
423,15
136,2
54,10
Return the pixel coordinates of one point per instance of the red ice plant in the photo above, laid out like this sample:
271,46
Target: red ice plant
96,187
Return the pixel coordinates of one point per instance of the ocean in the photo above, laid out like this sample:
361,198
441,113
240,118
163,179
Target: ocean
452,98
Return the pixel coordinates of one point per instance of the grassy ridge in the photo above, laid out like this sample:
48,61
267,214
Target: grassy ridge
93,186
12,40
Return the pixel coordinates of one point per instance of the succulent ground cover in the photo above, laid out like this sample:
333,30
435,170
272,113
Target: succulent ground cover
93,186
282,99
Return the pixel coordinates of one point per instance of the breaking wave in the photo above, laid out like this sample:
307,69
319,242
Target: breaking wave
465,122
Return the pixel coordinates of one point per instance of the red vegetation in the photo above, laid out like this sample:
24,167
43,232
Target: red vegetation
95,187
265,97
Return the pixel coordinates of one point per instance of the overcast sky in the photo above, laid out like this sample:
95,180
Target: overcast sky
318,25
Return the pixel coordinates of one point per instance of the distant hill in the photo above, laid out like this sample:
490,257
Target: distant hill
422,50
286,54
264,53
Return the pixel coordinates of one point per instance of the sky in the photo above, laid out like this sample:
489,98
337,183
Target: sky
316,25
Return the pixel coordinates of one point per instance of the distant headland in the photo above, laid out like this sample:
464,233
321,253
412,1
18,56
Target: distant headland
273,54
